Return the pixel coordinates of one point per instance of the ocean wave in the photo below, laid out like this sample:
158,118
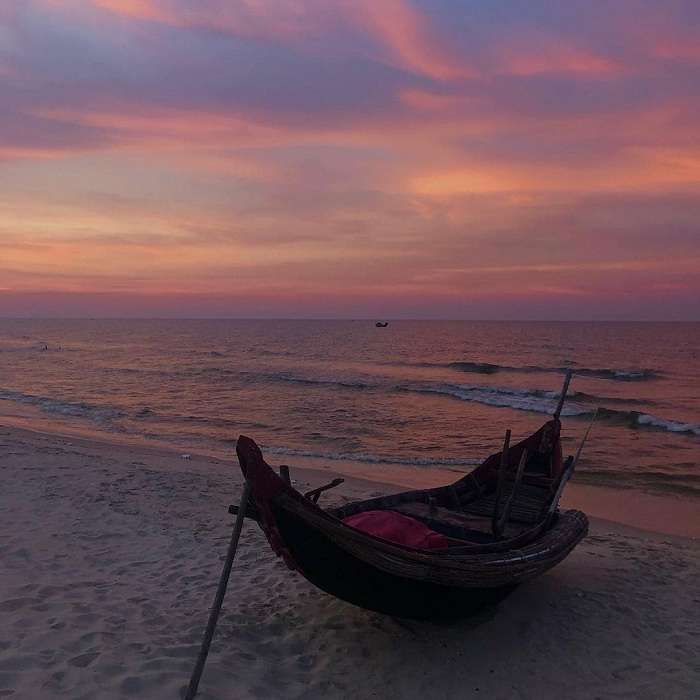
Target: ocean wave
599,399
636,419
370,459
538,400
476,367
353,383
670,425
622,375
210,371
535,400
73,409
36,348
149,415
522,399
685,484
543,401
610,373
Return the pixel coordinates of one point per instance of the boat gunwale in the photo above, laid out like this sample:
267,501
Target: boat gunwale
461,570
322,520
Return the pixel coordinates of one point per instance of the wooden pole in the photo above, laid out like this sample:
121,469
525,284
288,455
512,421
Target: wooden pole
503,520
219,598
501,479
564,390
569,468
554,503
585,437
284,473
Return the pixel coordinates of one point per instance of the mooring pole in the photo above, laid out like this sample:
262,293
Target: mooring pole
219,598
564,390
499,485
284,473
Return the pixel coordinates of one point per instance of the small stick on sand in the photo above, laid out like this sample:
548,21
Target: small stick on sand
219,598
564,390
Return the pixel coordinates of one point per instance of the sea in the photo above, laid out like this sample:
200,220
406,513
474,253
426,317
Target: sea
421,395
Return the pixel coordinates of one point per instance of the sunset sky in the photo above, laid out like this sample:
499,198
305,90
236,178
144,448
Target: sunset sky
350,158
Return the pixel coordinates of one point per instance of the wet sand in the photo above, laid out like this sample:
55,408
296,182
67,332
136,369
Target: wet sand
111,554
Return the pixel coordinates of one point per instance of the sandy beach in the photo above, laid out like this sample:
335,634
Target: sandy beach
111,555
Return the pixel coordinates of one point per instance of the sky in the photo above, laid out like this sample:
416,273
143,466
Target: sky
350,158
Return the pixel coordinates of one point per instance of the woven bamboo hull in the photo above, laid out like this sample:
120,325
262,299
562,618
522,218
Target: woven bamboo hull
337,572
399,581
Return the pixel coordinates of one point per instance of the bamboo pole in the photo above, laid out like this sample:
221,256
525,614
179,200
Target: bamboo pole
501,479
585,437
219,598
503,520
564,390
569,468
284,473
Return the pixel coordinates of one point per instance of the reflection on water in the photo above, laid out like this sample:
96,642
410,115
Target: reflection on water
418,393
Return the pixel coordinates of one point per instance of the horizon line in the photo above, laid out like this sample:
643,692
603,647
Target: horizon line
345,319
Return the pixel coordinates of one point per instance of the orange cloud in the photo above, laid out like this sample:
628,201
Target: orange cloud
634,170
255,18
172,126
679,48
141,9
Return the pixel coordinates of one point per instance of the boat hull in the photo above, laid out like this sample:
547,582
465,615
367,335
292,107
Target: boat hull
334,570
381,575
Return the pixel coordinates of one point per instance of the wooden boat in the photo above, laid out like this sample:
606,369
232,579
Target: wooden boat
489,531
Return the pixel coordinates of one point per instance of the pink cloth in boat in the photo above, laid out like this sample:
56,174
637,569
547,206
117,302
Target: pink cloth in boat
397,528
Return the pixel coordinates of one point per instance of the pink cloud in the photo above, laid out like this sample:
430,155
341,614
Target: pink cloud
319,155
550,57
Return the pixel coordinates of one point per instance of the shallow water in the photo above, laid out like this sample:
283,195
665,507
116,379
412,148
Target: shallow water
418,393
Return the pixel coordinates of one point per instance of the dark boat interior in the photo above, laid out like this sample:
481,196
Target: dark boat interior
467,510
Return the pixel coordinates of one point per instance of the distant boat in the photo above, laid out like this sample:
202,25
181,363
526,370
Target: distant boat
381,324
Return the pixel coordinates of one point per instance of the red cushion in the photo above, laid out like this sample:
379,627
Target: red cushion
397,528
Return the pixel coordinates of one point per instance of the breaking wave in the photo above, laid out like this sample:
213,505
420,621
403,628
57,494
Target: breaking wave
622,375
541,401
533,400
636,419
684,483
74,409
613,374
476,367
351,383
536,400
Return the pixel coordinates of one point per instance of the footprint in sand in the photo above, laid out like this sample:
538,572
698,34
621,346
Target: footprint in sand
83,660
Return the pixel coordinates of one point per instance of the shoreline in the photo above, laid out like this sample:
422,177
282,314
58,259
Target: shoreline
668,515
